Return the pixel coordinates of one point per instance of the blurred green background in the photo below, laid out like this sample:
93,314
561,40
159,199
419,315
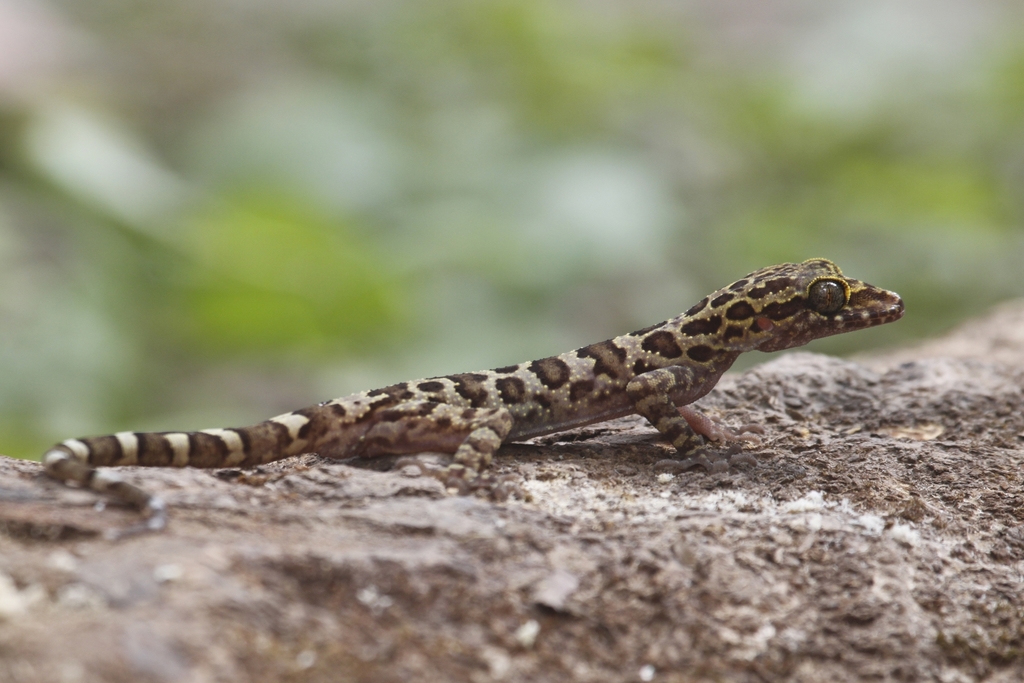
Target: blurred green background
211,211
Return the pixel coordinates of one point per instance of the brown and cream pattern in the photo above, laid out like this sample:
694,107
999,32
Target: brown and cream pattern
656,372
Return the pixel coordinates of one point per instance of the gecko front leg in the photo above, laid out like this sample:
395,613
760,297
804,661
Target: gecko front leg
657,396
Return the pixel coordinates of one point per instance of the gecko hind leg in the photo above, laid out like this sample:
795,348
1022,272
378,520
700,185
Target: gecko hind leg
471,434
67,468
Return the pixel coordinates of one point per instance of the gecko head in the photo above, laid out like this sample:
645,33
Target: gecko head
818,301
788,305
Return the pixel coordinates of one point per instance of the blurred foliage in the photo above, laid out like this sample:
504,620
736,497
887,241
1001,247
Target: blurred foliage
210,212
269,274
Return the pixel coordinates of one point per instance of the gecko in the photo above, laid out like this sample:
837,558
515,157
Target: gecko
656,372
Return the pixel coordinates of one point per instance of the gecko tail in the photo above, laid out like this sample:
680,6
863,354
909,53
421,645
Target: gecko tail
61,464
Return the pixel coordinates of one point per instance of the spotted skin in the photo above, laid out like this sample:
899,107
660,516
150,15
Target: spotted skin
656,372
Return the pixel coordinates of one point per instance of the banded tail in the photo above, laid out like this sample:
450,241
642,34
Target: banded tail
366,424
302,431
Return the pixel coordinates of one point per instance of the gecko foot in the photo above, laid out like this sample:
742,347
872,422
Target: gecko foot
711,430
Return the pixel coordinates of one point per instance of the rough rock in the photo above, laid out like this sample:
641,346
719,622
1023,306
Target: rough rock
880,536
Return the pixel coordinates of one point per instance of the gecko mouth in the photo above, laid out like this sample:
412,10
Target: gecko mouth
879,308
893,312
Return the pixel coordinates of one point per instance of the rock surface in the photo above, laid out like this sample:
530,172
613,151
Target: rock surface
880,536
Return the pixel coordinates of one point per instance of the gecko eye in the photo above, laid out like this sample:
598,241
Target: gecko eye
826,296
